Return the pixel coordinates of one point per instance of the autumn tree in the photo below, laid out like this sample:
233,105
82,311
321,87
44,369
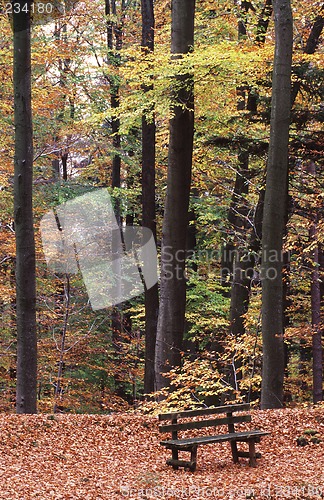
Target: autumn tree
148,196
275,207
24,230
114,45
316,303
171,318
240,254
310,48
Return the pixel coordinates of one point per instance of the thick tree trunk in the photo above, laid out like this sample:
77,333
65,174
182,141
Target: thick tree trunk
148,201
26,397
173,284
275,205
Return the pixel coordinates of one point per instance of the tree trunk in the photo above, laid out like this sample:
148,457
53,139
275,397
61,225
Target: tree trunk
151,297
26,397
113,58
315,34
316,308
310,48
244,260
275,206
174,232
263,22
58,387
316,324
114,45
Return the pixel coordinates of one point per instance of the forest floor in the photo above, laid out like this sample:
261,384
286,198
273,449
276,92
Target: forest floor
119,456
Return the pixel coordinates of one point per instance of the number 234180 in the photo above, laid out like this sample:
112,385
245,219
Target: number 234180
38,8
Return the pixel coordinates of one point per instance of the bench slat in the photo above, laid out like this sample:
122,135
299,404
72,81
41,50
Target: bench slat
233,436
205,411
179,463
246,454
200,424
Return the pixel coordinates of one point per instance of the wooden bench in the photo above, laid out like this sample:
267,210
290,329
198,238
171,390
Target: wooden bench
191,444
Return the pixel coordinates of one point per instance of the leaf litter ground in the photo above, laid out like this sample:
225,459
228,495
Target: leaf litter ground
118,456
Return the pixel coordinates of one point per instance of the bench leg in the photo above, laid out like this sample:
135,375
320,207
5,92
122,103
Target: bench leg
234,451
252,460
186,464
175,456
193,459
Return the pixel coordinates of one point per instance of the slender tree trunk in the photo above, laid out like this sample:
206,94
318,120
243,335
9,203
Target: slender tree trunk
60,369
316,324
148,200
305,352
315,34
310,48
114,45
114,31
64,158
173,285
245,7
316,308
321,285
274,215
263,22
26,397
244,260
61,33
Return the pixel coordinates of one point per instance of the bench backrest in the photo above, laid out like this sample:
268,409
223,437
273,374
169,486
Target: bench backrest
228,420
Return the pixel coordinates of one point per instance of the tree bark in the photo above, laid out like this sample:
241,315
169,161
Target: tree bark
310,48
244,260
316,307
263,22
151,297
26,395
114,45
243,263
316,324
275,205
315,34
113,58
174,232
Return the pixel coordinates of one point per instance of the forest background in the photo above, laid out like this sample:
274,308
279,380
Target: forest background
94,88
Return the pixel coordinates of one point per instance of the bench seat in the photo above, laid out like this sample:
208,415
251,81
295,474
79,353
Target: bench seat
233,436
